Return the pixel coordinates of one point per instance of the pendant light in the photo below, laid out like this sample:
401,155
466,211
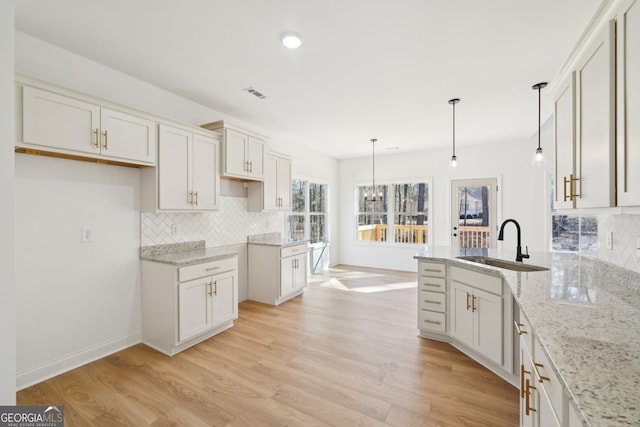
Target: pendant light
374,195
454,160
538,156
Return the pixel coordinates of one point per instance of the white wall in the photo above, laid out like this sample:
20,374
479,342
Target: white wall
76,301
522,195
7,304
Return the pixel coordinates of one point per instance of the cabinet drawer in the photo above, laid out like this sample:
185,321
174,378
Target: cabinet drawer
547,379
293,250
433,301
481,281
432,284
432,269
431,320
207,269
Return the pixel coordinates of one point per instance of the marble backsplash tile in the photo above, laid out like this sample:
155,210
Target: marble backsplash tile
626,231
229,225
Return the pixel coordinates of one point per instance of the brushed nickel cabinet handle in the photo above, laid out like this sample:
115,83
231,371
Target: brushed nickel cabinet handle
97,141
432,302
106,140
433,322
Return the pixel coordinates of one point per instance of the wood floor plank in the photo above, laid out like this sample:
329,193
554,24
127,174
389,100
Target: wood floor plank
330,357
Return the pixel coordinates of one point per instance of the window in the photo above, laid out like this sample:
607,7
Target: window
406,203
574,233
310,206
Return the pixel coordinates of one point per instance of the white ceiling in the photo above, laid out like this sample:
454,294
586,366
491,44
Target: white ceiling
367,68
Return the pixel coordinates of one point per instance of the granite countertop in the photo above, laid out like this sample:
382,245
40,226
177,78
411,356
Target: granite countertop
181,254
586,314
274,239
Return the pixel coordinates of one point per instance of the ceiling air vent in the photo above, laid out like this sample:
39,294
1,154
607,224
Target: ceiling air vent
254,92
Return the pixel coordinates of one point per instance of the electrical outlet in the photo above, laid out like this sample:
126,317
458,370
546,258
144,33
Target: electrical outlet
86,235
610,240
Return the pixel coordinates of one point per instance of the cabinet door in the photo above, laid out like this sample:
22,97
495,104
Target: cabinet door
234,152
462,314
270,183
127,137
595,82
565,122
284,183
174,165
488,324
300,272
628,113
225,298
205,179
194,308
255,156
56,121
287,284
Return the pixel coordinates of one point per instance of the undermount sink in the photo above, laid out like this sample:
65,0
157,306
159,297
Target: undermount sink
495,262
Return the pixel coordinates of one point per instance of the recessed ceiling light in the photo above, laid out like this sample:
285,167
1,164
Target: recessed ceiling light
291,40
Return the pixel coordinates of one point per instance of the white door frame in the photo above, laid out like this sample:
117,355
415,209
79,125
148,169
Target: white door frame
495,203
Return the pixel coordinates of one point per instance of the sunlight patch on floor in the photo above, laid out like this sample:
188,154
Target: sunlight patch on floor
337,284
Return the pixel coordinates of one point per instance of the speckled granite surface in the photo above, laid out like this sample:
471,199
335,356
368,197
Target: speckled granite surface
273,239
181,254
586,314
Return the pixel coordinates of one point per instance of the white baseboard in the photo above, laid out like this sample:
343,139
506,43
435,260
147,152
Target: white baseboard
50,369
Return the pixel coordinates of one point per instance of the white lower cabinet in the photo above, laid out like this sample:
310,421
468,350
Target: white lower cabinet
276,273
543,402
182,306
476,314
470,309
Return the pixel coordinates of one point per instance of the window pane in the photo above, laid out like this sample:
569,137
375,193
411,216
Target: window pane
317,197
295,225
298,191
574,233
372,201
372,227
318,228
407,229
411,197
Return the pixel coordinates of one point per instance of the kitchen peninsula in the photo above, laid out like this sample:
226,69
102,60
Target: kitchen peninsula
582,316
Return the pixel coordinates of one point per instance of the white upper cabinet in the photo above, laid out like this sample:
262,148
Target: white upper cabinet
595,124
242,152
58,123
585,127
628,103
187,176
274,192
564,113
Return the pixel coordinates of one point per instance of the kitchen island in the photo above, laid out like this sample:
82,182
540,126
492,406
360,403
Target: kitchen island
586,315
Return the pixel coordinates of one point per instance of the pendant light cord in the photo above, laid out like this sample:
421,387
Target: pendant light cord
539,114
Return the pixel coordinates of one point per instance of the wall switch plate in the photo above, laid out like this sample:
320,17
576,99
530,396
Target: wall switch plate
638,246
86,235
610,240
175,229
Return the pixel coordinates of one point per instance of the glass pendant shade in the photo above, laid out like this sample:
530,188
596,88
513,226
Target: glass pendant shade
538,158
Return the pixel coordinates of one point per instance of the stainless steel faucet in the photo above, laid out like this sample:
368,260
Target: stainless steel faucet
519,254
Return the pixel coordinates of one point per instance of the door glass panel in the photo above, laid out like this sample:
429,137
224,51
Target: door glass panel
473,213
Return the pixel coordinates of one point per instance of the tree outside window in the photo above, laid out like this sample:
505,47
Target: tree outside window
407,205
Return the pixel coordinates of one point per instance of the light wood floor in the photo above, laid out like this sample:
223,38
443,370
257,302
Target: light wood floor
346,353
